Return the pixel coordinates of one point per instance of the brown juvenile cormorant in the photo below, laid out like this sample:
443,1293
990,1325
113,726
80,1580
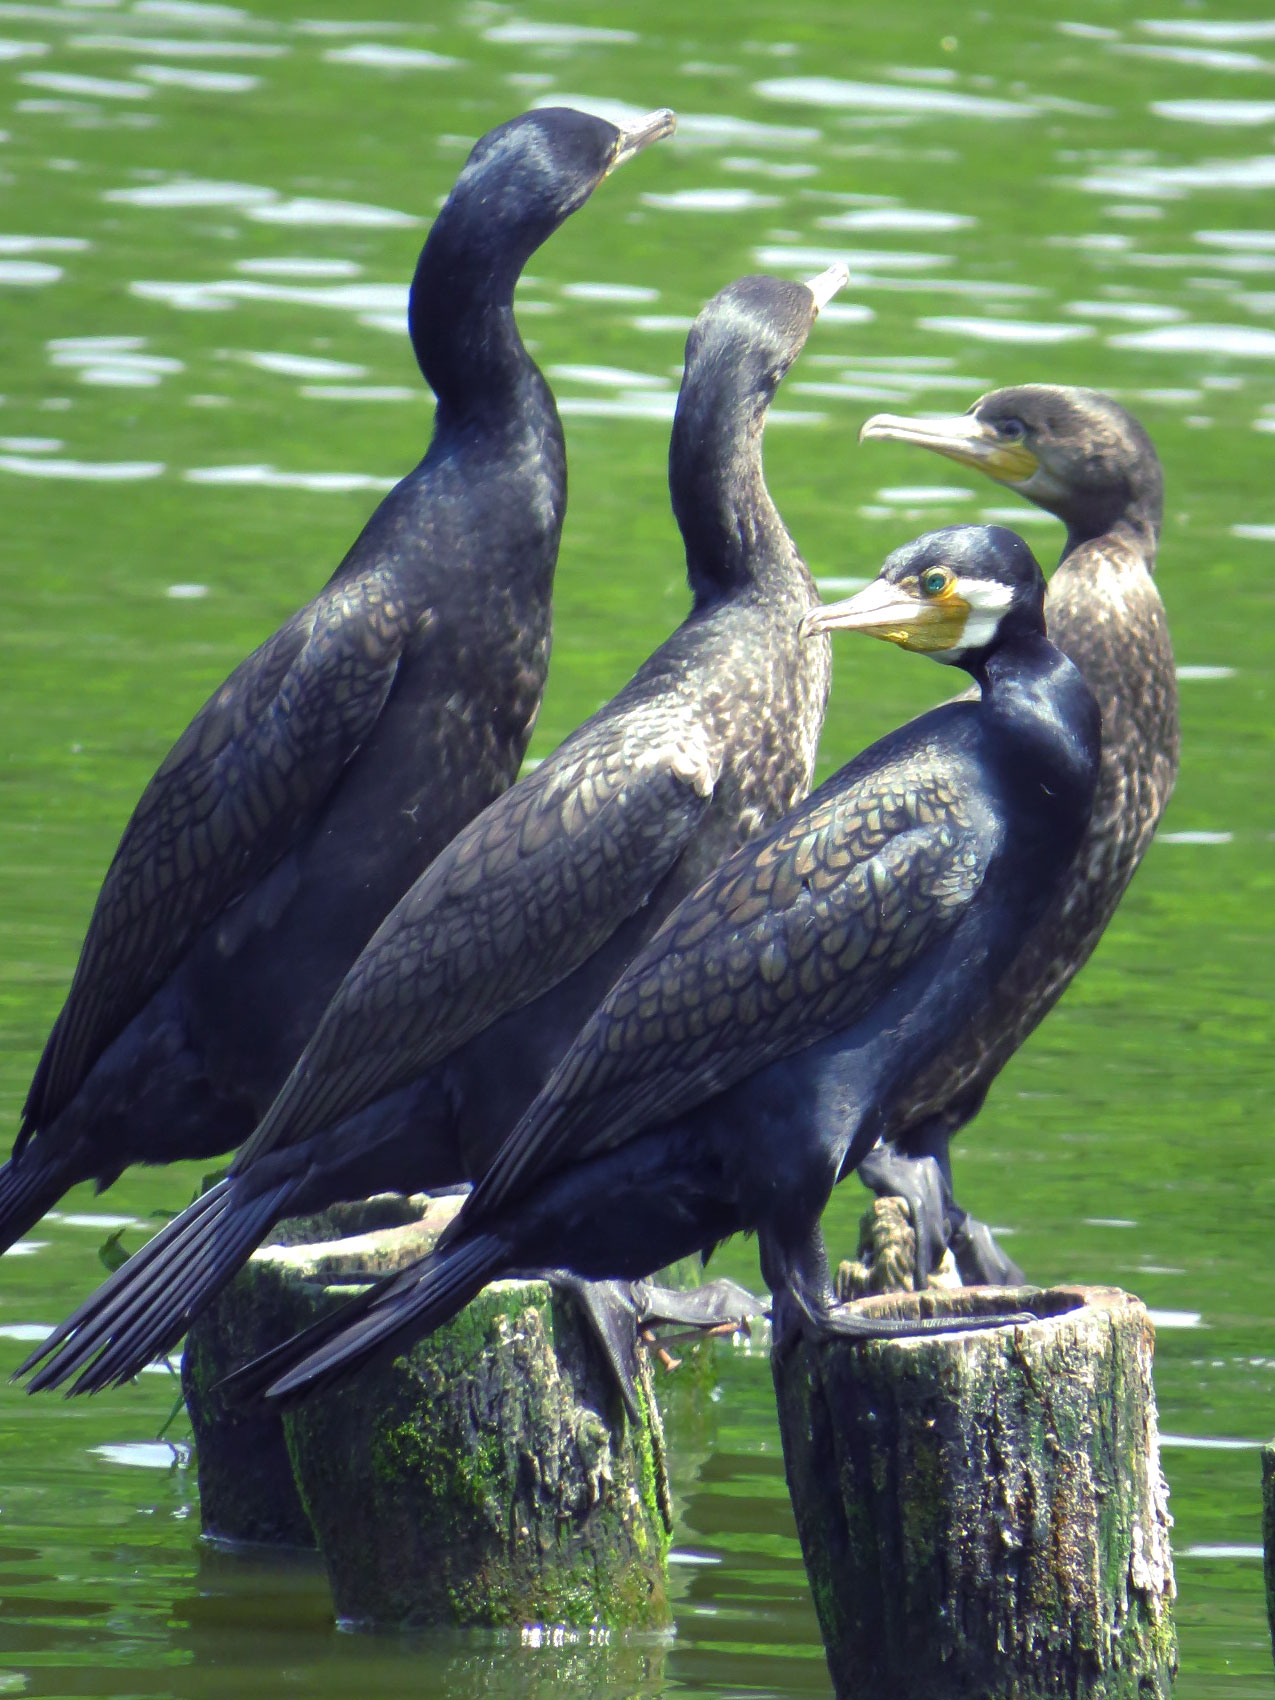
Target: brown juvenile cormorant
450,1021
340,757
1081,456
749,1055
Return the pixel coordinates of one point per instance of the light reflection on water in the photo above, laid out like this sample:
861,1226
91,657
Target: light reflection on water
1023,199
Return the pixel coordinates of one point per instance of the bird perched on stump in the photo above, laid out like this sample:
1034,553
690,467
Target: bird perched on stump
750,1054
337,760
1081,456
450,1021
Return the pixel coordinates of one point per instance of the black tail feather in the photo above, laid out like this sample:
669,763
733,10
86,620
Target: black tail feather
147,1305
392,1316
30,1184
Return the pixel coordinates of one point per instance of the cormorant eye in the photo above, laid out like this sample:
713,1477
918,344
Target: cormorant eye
935,581
1014,429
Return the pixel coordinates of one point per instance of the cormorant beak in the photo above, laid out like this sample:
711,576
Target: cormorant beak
826,285
893,612
653,128
961,437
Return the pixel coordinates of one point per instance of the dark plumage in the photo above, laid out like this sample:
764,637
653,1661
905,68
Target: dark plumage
340,757
451,1019
748,1056
1081,456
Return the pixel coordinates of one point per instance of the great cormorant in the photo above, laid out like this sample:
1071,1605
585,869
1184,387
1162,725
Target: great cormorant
1079,455
750,1054
340,757
452,1018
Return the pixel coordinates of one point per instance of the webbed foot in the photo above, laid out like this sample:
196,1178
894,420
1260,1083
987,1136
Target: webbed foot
616,1311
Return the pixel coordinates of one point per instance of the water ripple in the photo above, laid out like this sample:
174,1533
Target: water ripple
310,210
381,56
203,82
99,88
1207,29
270,477
521,32
710,200
1206,59
1232,112
97,472
303,365
1006,330
171,47
887,97
1201,339
857,259
28,274
895,218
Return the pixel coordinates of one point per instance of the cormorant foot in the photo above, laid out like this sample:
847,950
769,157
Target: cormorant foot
616,1310
711,1305
800,1316
920,1183
844,1322
980,1260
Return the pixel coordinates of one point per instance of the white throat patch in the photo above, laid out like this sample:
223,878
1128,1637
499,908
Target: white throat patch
987,600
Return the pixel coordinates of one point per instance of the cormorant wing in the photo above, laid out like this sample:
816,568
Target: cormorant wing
791,940
231,797
519,899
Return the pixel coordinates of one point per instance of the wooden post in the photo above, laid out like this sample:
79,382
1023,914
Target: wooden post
487,1477
983,1514
246,1489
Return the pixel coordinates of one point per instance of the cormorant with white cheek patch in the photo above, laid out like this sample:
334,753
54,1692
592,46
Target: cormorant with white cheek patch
750,1054
1080,455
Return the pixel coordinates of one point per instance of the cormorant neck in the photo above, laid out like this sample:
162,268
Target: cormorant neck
1133,513
1021,659
1041,701
460,317
731,529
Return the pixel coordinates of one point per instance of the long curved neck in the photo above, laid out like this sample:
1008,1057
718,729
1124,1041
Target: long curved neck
460,317
731,529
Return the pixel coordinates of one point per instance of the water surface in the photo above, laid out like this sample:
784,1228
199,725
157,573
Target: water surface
208,216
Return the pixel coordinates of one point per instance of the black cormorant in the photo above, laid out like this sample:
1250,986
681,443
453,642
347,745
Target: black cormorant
452,1018
749,1055
1079,455
340,757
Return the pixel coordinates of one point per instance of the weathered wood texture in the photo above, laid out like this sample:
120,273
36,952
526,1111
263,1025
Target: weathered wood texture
489,1476
1268,1532
246,1487
983,1514
886,1259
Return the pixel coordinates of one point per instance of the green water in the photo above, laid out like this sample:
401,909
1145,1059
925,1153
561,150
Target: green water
1082,199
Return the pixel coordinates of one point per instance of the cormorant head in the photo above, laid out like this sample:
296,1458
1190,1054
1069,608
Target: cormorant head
954,594
1075,453
523,178
737,352
746,338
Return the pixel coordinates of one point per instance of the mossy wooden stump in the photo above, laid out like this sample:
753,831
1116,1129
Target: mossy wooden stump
1268,1532
489,1476
983,1514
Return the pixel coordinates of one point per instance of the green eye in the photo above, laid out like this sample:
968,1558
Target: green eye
934,582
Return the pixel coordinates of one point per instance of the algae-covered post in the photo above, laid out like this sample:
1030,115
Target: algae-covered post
984,1513
489,1476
